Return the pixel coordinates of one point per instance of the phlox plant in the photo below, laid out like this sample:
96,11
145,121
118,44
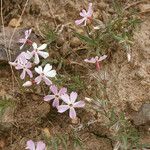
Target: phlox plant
25,61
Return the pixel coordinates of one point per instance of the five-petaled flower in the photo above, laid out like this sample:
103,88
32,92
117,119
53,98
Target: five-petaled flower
25,65
35,146
86,15
23,56
38,51
24,40
70,104
44,74
96,60
56,95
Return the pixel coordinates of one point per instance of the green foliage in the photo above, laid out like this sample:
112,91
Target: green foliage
57,141
4,103
86,39
73,82
49,34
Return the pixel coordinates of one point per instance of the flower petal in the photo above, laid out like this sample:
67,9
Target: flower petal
56,102
66,98
34,46
47,81
49,97
51,73
36,59
38,79
73,97
41,146
72,113
79,104
90,11
92,60
38,69
42,47
30,145
78,22
23,74
62,91
102,57
29,73
43,54
62,108
54,89
47,68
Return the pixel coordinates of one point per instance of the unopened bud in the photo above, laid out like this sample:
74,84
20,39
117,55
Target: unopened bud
27,84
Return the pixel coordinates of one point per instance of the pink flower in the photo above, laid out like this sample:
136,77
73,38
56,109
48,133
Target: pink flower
44,74
23,56
25,65
25,39
96,60
56,95
38,51
70,104
86,15
35,146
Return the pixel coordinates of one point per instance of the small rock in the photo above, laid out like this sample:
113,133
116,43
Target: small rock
144,7
14,23
75,42
142,116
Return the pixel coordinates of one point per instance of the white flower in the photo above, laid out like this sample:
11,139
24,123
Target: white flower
44,74
38,51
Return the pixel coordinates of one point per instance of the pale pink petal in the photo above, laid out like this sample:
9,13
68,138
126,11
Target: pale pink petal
36,59
90,11
83,13
19,66
47,81
62,91
65,98
30,145
38,69
21,47
49,97
92,60
51,73
27,33
56,102
34,46
41,146
102,57
28,55
43,54
28,65
72,113
23,74
54,89
78,22
73,97
62,108
38,79
29,73
42,47
47,68
79,104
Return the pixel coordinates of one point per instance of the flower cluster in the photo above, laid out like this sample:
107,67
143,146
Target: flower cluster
35,146
25,61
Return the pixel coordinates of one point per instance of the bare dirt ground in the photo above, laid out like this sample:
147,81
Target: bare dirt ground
127,87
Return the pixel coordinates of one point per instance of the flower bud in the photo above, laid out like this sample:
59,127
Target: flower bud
27,84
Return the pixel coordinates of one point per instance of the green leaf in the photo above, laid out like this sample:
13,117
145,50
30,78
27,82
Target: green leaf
86,39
